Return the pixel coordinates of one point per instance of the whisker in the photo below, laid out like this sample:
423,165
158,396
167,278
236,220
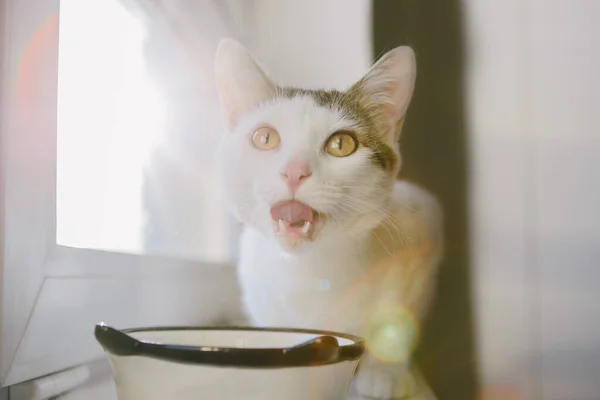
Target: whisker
387,218
382,245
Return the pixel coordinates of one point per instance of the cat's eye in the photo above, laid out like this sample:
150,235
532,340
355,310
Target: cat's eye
341,144
265,138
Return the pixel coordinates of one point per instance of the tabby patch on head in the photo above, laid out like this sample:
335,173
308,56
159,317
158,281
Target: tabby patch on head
306,167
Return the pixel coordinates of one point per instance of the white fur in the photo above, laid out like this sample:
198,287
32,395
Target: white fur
379,248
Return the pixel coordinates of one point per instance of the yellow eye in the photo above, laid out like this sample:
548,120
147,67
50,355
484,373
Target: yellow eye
341,144
265,138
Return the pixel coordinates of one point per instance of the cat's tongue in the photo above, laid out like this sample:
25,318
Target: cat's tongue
292,212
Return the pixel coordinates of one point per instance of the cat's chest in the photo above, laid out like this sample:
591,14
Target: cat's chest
284,277
294,295
298,291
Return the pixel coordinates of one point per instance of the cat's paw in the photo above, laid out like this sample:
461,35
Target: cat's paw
373,383
382,383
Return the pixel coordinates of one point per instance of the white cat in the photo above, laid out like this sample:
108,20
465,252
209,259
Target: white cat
332,240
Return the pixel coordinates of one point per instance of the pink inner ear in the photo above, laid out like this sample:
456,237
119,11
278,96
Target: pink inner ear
392,112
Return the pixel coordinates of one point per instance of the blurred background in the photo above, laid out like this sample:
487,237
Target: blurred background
502,129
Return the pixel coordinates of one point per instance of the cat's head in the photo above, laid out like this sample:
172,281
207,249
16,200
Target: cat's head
305,167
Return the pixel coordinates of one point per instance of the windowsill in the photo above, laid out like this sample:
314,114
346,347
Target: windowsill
98,386
103,389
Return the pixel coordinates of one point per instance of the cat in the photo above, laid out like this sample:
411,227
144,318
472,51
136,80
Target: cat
332,240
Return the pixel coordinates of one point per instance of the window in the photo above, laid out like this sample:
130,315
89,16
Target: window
123,139
110,118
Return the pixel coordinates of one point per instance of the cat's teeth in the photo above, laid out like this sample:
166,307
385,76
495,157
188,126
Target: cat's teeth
281,226
306,227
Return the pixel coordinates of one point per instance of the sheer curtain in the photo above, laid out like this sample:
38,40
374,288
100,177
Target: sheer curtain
181,199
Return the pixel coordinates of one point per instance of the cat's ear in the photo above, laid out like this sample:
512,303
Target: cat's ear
241,81
386,90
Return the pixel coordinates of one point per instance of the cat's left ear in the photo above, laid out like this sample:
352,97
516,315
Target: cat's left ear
386,90
241,81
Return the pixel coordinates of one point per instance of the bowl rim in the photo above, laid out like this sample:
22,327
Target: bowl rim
324,349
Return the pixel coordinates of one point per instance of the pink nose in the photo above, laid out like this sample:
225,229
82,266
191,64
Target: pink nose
295,172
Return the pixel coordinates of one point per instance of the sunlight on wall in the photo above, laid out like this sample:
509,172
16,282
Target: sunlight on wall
109,120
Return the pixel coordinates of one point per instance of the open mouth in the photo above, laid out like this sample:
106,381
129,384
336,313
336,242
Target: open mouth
294,219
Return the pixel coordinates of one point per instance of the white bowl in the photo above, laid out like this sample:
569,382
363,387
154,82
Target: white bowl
185,363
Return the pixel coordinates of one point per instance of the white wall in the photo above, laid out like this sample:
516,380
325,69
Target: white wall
534,92
565,88
314,43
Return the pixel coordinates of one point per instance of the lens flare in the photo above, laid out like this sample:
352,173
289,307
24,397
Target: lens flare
394,334
30,81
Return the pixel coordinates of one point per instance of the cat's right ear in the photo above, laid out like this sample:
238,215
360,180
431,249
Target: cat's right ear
241,81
